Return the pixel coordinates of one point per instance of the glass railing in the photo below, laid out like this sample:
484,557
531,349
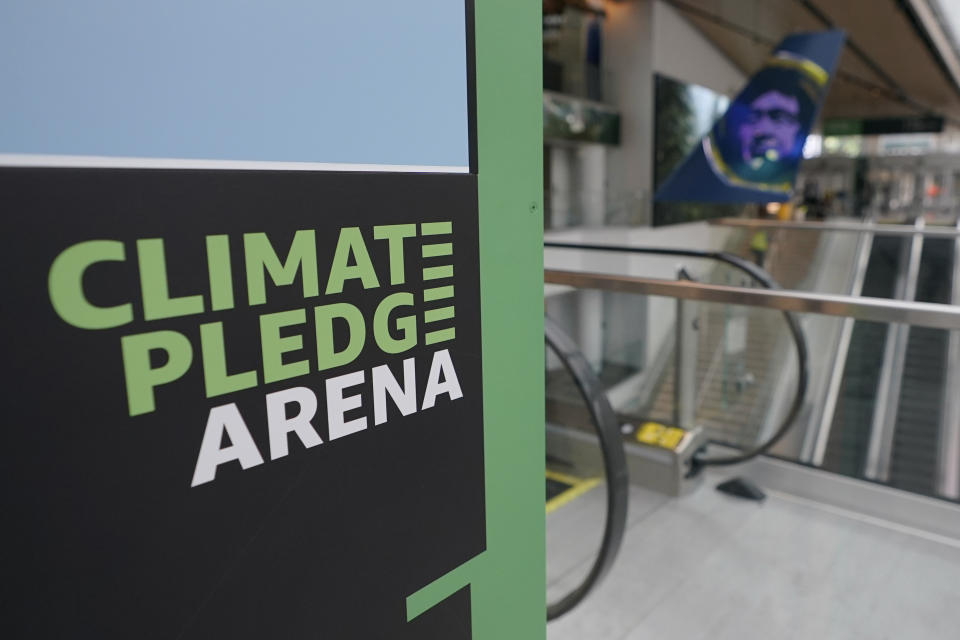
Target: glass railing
880,403
852,371
743,362
797,258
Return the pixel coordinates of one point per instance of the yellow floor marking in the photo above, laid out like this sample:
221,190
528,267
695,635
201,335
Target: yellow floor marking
578,487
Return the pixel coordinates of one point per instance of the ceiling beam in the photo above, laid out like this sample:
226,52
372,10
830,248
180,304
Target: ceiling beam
930,29
892,93
853,47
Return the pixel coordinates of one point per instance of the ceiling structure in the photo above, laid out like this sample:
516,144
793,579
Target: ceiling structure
900,59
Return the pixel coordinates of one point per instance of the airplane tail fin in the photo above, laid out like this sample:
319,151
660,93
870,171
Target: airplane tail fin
752,153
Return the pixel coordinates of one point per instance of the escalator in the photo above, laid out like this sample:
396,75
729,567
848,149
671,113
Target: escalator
850,433
913,463
916,376
585,438
892,393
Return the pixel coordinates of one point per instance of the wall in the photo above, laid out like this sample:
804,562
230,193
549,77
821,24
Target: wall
628,64
681,52
251,81
577,179
643,38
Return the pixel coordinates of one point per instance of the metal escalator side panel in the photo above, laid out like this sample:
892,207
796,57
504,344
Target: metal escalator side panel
845,449
815,442
880,449
948,456
913,461
916,438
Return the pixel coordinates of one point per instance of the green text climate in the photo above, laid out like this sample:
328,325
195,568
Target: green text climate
393,327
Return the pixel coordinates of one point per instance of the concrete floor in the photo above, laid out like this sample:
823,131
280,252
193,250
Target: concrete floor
711,566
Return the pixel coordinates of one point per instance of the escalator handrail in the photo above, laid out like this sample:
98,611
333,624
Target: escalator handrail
614,462
766,280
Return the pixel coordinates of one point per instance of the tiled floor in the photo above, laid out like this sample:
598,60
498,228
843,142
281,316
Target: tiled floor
708,566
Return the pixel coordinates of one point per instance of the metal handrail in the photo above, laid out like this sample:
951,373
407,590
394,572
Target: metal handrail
614,463
878,229
922,314
765,279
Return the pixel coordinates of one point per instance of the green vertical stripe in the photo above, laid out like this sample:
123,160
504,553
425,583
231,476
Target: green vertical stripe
509,591
507,581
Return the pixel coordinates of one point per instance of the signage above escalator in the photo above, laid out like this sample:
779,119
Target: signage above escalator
881,126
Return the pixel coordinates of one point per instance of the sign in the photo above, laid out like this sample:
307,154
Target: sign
250,396
213,366
658,435
906,144
879,126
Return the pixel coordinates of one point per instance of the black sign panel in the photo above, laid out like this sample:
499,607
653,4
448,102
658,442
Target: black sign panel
882,126
239,404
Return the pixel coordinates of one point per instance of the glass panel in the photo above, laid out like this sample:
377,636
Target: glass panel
806,260
892,417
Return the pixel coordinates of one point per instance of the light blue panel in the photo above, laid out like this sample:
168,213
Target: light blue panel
359,81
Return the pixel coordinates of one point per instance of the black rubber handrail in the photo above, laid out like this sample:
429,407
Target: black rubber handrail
767,281
614,462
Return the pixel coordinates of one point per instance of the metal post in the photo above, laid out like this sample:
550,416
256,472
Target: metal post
685,380
948,455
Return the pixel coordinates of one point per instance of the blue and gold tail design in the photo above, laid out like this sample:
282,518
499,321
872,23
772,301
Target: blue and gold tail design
752,153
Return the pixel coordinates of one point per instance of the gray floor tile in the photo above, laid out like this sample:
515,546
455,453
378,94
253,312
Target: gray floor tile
711,567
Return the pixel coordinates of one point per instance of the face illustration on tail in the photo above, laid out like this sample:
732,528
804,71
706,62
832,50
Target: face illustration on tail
759,141
771,128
